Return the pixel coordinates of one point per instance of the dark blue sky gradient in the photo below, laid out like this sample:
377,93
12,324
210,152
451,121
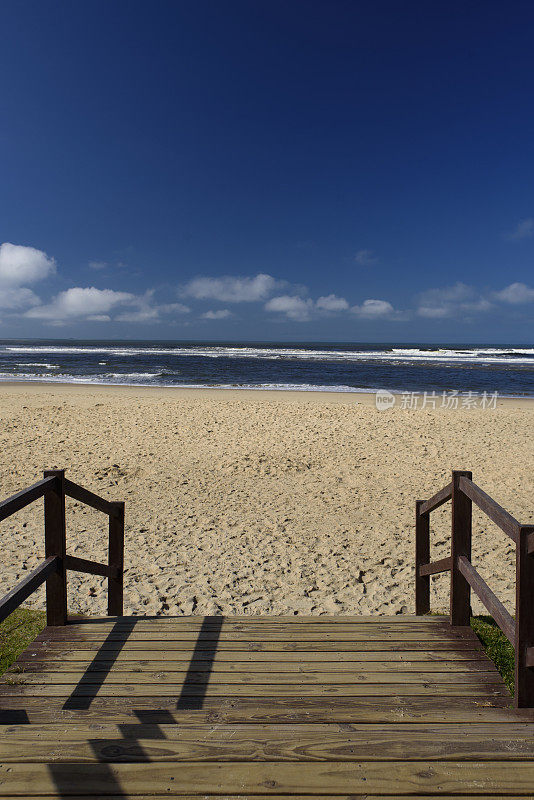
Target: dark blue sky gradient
177,139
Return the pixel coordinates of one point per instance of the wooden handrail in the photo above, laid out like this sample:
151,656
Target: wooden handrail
26,587
54,488
25,497
89,498
464,577
491,509
436,500
90,567
443,565
501,616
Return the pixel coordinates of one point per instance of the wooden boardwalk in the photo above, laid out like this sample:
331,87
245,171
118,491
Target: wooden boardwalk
339,707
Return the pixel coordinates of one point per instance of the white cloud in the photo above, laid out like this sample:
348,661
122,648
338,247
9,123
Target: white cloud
179,308
231,289
451,301
148,311
294,308
16,298
332,303
365,258
523,230
479,305
144,314
20,265
223,313
515,294
98,265
80,303
434,312
448,294
373,309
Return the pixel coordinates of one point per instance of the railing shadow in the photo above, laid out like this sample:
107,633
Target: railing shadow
109,751
80,699
195,685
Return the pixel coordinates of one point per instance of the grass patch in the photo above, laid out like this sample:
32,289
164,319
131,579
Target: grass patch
496,646
17,632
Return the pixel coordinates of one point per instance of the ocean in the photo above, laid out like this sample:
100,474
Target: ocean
507,370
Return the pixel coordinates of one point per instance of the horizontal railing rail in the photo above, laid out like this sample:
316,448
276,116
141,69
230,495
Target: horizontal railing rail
26,587
443,565
22,499
90,499
90,567
491,509
464,576
437,500
504,620
54,488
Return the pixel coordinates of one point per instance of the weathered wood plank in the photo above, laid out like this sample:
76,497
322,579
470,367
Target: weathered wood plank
60,653
321,623
172,645
229,664
84,744
257,619
255,796
265,630
377,709
446,681
392,778
65,635
181,689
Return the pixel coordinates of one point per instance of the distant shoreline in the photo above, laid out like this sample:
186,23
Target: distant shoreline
341,369
366,398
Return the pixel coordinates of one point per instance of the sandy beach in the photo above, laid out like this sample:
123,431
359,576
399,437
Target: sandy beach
258,502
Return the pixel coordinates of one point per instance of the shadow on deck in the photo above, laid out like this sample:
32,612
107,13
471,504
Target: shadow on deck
260,707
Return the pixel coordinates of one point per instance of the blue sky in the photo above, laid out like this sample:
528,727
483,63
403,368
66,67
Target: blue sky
267,170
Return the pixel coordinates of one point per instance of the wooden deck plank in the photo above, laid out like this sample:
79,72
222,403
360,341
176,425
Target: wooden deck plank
245,708
316,635
113,676
127,743
276,711
35,653
229,627
182,689
217,665
255,796
382,778
258,619
367,645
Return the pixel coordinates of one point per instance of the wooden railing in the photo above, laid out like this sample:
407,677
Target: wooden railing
54,488
464,577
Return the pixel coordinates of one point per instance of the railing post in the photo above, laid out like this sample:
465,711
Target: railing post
460,546
55,545
116,561
524,618
422,556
